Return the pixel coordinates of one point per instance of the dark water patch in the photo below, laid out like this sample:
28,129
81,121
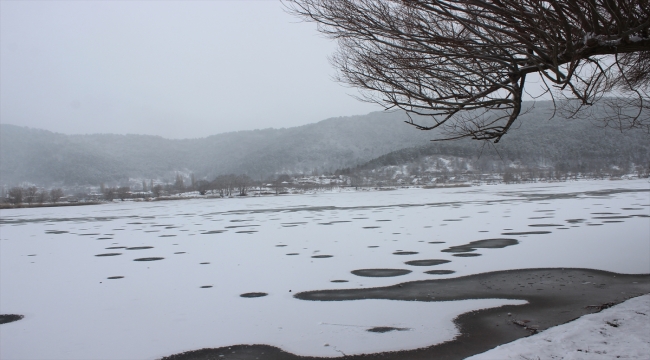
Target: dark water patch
115,277
253,294
612,217
151,231
204,263
594,224
563,228
339,281
540,217
115,247
213,232
641,215
452,220
359,218
328,223
149,259
527,233
575,221
105,238
89,234
339,221
56,232
31,255
544,225
380,272
498,243
436,242
405,253
613,221
135,223
245,232
239,226
293,223
385,329
206,286
281,245
631,209
109,254
180,252
322,256
428,262
371,227
384,220
439,272
139,248
157,225
605,213
289,225
7,318
166,235
293,254
373,246
467,254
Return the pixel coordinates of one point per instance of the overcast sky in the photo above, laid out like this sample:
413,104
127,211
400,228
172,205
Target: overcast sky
174,69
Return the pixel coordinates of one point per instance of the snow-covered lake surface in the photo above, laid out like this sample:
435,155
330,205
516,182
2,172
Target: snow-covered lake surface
56,265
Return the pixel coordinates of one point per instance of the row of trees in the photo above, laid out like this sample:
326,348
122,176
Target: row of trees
32,195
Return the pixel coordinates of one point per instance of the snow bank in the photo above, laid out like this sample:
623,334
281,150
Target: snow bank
620,332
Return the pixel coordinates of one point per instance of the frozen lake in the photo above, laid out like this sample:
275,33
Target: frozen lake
148,279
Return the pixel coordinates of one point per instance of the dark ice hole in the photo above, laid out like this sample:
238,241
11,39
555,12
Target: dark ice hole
109,254
380,272
527,233
339,281
439,272
115,277
139,248
428,262
385,329
467,254
7,318
482,244
322,256
116,247
149,259
206,286
253,295
405,253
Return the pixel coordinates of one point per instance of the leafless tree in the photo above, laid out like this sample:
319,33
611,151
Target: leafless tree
30,194
123,192
56,195
156,190
15,195
464,64
41,197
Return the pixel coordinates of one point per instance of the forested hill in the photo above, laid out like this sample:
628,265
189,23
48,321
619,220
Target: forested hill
558,144
45,158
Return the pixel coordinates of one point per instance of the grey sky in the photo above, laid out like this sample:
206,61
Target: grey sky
175,69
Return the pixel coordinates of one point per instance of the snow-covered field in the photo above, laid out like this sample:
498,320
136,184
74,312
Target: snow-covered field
56,265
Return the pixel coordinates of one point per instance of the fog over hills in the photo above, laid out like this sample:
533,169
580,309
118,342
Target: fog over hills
46,158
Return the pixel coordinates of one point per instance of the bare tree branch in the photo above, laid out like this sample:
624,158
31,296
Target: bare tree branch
464,63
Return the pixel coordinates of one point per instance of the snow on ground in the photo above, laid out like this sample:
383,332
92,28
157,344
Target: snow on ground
620,332
212,251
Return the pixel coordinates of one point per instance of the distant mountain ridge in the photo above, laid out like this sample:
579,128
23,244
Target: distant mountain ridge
46,158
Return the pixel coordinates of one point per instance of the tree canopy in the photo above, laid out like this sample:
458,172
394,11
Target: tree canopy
465,64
